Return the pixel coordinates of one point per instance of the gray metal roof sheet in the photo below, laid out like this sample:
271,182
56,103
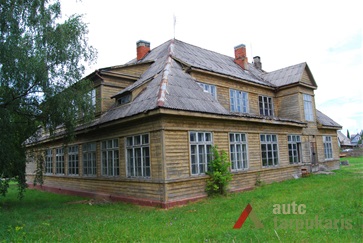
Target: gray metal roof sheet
325,120
167,85
285,76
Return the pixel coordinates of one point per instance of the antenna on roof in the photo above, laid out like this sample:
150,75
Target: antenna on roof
251,50
174,23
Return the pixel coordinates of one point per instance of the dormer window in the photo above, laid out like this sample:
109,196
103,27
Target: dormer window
126,98
209,88
266,106
238,101
308,107
92,95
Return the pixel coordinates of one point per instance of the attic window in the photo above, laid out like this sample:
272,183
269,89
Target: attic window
124,99
209,88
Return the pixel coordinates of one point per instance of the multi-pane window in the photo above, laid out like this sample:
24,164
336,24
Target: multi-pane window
59,161
266,106
200,151
328,148
209,88
110,157
89,159
294,144
92,95
239,101
308,107
48,161
138,156
269,150
238,151
73,167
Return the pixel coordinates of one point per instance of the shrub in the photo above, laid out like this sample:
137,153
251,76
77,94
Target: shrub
219,173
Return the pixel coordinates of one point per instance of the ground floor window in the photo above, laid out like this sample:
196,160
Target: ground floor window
110,157
200,151
59,161
269,150
48,161
89,159
73,167
138,156
294,144
238,151
328,148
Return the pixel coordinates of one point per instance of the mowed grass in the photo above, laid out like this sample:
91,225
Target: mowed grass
333,204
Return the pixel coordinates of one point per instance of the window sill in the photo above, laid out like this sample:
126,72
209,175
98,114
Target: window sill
240,171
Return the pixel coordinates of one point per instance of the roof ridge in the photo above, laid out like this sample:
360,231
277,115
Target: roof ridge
204,48
165,75
285,68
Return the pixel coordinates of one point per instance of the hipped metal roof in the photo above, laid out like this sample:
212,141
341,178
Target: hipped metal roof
166,83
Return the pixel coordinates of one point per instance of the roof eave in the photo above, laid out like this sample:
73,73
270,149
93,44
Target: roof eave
321,126
299,83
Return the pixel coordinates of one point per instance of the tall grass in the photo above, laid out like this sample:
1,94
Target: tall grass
336,198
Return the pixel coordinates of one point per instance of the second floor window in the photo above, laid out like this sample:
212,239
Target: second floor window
308,107
239,101
209,88
266,106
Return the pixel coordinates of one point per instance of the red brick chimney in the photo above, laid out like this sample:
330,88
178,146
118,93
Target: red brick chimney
240,56
142,49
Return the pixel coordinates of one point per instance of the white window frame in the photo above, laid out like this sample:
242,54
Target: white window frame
110,163
266,105
138,156
89,159
308,107
328,147
238,151
294,147
209,88
269,150
73,160
48,161
200,151
59,161
238,101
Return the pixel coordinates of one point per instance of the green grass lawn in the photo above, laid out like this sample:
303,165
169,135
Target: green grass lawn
333,204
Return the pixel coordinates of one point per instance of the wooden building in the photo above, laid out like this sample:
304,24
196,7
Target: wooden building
158,115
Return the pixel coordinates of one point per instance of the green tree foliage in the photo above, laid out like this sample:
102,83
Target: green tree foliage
219,174
348,135
41,59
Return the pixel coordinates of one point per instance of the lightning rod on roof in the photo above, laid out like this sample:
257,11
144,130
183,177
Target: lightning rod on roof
251,50
174,23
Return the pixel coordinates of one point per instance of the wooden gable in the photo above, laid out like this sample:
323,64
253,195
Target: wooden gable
307,77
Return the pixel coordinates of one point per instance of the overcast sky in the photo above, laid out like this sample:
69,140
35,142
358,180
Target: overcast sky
328,35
